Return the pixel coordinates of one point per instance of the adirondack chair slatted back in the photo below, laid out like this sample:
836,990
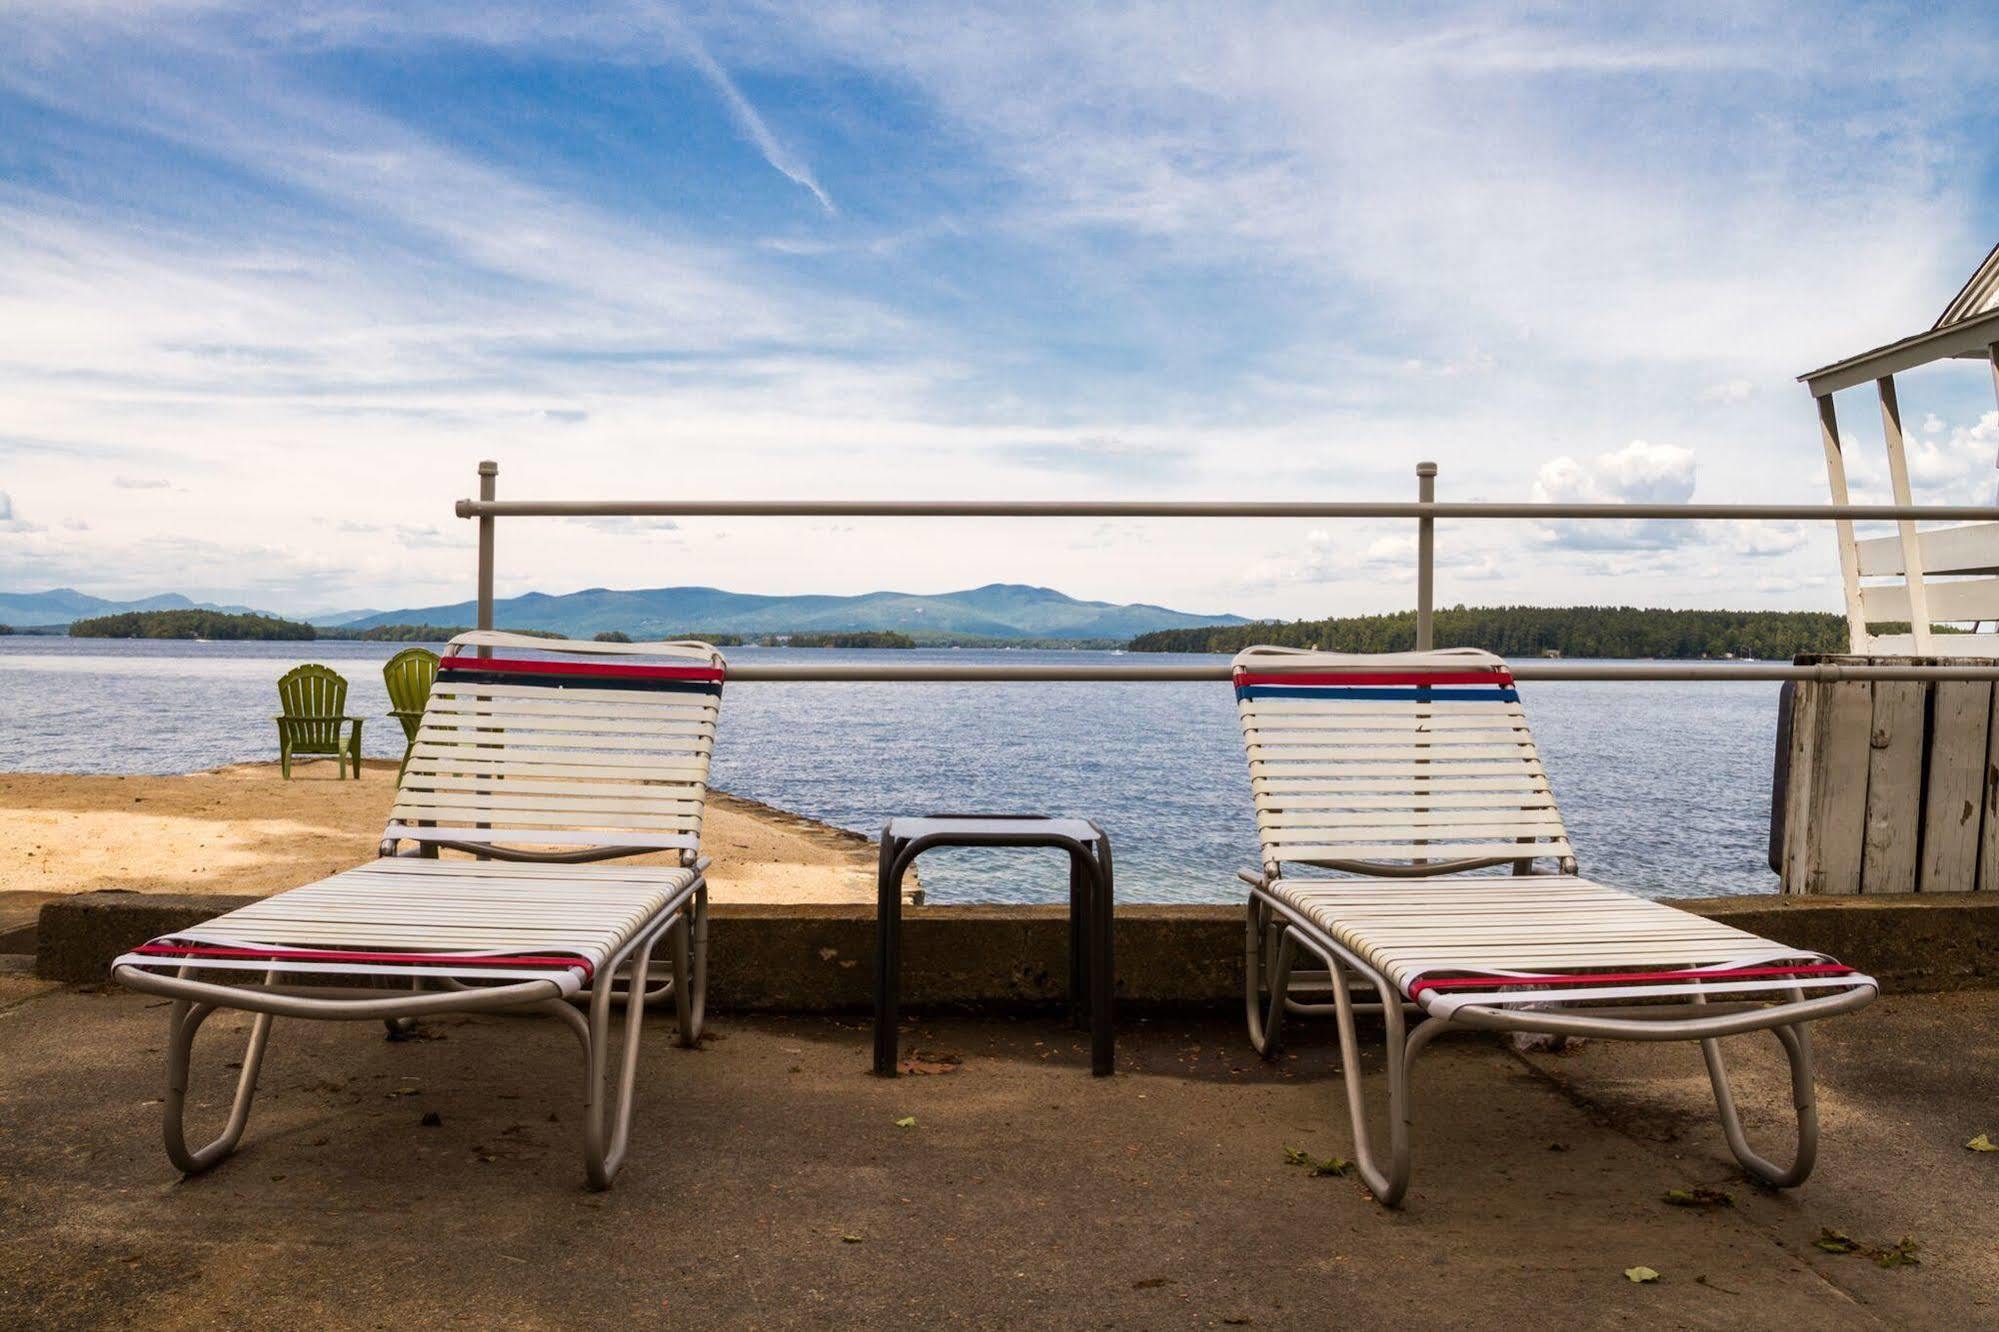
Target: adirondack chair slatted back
553,744
1393,764
312,699
408,676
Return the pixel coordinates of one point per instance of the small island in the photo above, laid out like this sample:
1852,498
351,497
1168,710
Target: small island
216,625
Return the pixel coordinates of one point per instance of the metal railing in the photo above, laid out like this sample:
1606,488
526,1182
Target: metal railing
1426,509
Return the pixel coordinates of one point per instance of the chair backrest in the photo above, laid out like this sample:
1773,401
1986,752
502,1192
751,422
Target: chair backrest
1393,764
408,675
312,698
558,749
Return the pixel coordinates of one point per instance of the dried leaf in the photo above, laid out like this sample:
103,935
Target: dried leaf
1900,1254
1698,1197
1332,1165
1640,1275
907,1121
850,1239
1982,1143
1835,1241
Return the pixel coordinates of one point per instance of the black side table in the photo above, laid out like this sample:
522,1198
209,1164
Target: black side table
1090,963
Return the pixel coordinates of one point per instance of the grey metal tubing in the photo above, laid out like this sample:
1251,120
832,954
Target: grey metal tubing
1282,930
751,670
1454,509
1666,1027
605,1136
483,613
1797,1043
1426,556
184,1019
1573,1023
292,1001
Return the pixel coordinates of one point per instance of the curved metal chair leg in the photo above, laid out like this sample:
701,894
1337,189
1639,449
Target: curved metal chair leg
1268,950
607,1113
184,1019
690,969
1797,1043
1388,1186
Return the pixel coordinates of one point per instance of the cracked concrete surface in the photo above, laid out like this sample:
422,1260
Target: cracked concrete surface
770,1186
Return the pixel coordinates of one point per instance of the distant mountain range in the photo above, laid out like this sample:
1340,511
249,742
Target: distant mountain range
998,610
63,604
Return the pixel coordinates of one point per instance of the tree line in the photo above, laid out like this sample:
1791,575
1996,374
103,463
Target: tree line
858,638
1533,631
191,624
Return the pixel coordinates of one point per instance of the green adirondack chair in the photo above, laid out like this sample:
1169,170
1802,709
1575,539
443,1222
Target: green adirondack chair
314,703
408,675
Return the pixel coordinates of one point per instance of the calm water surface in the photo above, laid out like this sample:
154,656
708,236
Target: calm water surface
1666,787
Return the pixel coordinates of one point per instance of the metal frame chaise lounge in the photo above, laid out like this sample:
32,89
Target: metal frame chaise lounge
1401,772
534,760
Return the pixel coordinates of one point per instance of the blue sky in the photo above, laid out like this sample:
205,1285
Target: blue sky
272,282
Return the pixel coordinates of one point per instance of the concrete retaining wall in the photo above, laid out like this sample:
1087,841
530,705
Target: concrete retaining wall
820,958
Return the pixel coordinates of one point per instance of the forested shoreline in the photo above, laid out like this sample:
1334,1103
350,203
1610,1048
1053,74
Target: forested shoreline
1533,631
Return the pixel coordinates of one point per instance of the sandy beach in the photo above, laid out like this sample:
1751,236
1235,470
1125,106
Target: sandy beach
242,829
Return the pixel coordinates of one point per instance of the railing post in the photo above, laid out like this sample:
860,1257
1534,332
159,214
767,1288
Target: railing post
1426,558
489,472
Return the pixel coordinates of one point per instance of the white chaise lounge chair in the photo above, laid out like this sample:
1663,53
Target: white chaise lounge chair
1412,768
538,757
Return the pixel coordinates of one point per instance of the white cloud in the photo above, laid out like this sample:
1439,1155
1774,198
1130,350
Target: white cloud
1729,391
6,507
140,483
1638,473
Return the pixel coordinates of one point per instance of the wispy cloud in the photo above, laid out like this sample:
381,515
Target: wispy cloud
1077,250
782,159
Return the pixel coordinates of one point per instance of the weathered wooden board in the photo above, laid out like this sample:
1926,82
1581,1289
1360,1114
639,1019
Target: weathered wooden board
1961,599
1988,837
1807,699
1954,795
1894,787
1946,550
1836,818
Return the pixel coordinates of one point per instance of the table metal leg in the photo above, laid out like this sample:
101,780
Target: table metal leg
1082,879
1103,1038
888,957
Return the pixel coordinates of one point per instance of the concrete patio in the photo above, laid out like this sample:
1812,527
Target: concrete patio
770,1185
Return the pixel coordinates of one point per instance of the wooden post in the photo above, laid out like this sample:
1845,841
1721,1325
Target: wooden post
1835,824
1894,786
1992,356
489,472
1426,559
1849,554
1912,550
1988,838
1954,796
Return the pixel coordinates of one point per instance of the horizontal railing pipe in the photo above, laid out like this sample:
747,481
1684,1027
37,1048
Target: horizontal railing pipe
853,672
1214,509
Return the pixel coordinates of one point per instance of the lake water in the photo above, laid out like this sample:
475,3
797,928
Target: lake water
1665,787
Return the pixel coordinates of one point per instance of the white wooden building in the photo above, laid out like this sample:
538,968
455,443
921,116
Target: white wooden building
1944,576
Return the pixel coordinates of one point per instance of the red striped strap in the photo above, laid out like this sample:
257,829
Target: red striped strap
1375,678
618,670
534,961
1629,977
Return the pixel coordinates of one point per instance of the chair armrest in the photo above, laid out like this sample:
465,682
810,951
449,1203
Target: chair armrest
1256,878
